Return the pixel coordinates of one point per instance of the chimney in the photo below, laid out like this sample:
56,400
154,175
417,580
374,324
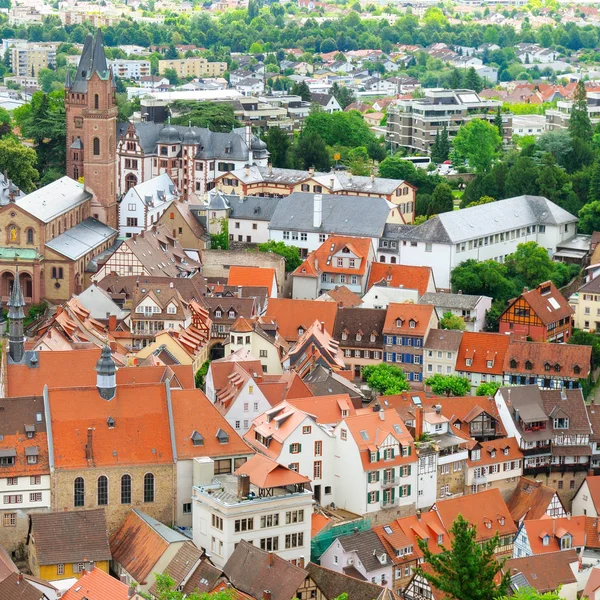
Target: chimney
372,177
382,414
317,210
267,595
19,578
243,486
525,289
311,171
563,393
323,326
300,562
332,183
270,167
316,264
247,169
270,561
419,515
419,422
89,448
112,322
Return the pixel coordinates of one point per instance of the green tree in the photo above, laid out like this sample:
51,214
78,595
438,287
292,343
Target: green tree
487,388
340,128
580,126
558,142
328,45
342,94
5,122
482,200
473,81
279,146
452,321
485,278
200,377
583,338
301,89
467,570
442,199
589,217
477,142
531,264
386,379
528,593
216,116
448,385
522,177
498,122
171,53
310,151
19,163
166,589
220,241
291,254
594,194
171,75
440,151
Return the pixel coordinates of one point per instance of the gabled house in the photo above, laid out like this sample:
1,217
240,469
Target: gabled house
360,334
341,260
294,317
494,464
184,226
534,500
481,357
440,352
543,314
402,276
254,277
553,431
375,452
95,584
587,498
61,544
471,309
327,102
549,366
405,329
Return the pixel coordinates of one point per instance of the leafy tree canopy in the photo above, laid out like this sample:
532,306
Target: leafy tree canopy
291,254
452,321
448,385
216,116
386,379
487,388
19,162
478,143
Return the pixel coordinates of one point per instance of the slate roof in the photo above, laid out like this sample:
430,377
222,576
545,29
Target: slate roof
248,570
70,537
82,238
54,199
479,221
254,208
367,546
210,144
322,382
343,215
456,301
443,339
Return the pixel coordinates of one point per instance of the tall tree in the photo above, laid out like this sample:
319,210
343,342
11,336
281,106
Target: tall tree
310,151
589,217
498,122
530,263
444,149
473,81
278,144
467,570
301,89
442,199
435,148
477,142
594,194
19,162
342,94
580,126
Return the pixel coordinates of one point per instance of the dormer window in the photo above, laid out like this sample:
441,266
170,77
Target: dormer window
171,309
300,330
506,450
488,523
577,369
440,539
476,454
344,335
490,364
358,337
513,364
501,520
547,366
493,454
197,439
29,431
399,322
566,541
232,314
218,314
372,339
528,365
412,323
222,436
469,362
561,423
546,540
557,368
373,457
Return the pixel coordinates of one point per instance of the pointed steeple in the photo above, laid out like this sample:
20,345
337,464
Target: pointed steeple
68,82
16,318
106,378
93,60
99,63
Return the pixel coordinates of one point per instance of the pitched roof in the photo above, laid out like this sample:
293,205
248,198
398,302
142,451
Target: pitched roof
292,315
253,276
342,296
81,239
531,499
97,585
70,536
253,570
265,473
443,339
480,348
140,542
327,410
449,301
481,509
546,302
193,412
593,583
412,278
333,584
568,357
544,573
15,587
203,579
368,548
584,532
124,287
140,435
496,452
362,322
186,559
594,489
593,411
399,317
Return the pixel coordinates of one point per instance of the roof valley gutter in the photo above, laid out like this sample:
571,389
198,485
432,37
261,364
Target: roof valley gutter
48,429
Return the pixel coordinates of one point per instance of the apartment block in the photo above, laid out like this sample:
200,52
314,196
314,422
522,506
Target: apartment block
130,69
193,67
558,118
414,123
28,59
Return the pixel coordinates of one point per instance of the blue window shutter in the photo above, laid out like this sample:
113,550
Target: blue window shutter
393,357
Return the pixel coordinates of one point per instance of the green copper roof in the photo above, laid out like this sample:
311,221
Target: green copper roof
9,253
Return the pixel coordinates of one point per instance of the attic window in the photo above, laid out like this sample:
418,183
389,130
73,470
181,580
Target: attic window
197,439
372,339
399,322
501,520
557,368
222,437
171,309
528,365
412,323
29,431
218,314
490,364
344,335
358,337
513,364
546,540
577,369
493,454
300,330
469,362
547,366
506,450
488,523
110,422
476,454
231,314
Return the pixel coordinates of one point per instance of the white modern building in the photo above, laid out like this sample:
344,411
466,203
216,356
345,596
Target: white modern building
143,204
263,503
486,232
130,69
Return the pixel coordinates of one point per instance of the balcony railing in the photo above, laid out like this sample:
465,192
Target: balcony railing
389,482
537,450
389,503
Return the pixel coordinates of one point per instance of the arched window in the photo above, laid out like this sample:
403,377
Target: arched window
75,173
126,489
102,490
60,272
30,236
148,487
96,145
79,492
130,181
54,273
96,101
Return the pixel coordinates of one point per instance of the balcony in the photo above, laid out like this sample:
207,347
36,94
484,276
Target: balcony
537,470
389,482
480,480
574,468
389,503
537,450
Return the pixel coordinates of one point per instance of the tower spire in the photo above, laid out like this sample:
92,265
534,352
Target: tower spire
16,318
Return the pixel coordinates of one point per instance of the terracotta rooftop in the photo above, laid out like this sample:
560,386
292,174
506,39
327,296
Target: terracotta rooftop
546,302
97,585
295,316
342,296
531,499
252,276
486,351
583,530
496,452
409,277
16,587
544,573
266,473
409,319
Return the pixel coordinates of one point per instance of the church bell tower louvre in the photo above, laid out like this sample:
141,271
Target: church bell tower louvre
91,114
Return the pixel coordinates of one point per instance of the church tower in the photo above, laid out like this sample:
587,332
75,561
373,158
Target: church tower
91,112
16,321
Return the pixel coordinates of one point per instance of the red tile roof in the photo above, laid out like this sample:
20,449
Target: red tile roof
531,499
140,434
546,302
493,452
594,488
97,585
252,276
266,473
584,530
291,315
395,276
548,572
399,317
328,410
194,412
481,348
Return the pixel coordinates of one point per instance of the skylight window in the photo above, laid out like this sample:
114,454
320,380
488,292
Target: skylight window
364,435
